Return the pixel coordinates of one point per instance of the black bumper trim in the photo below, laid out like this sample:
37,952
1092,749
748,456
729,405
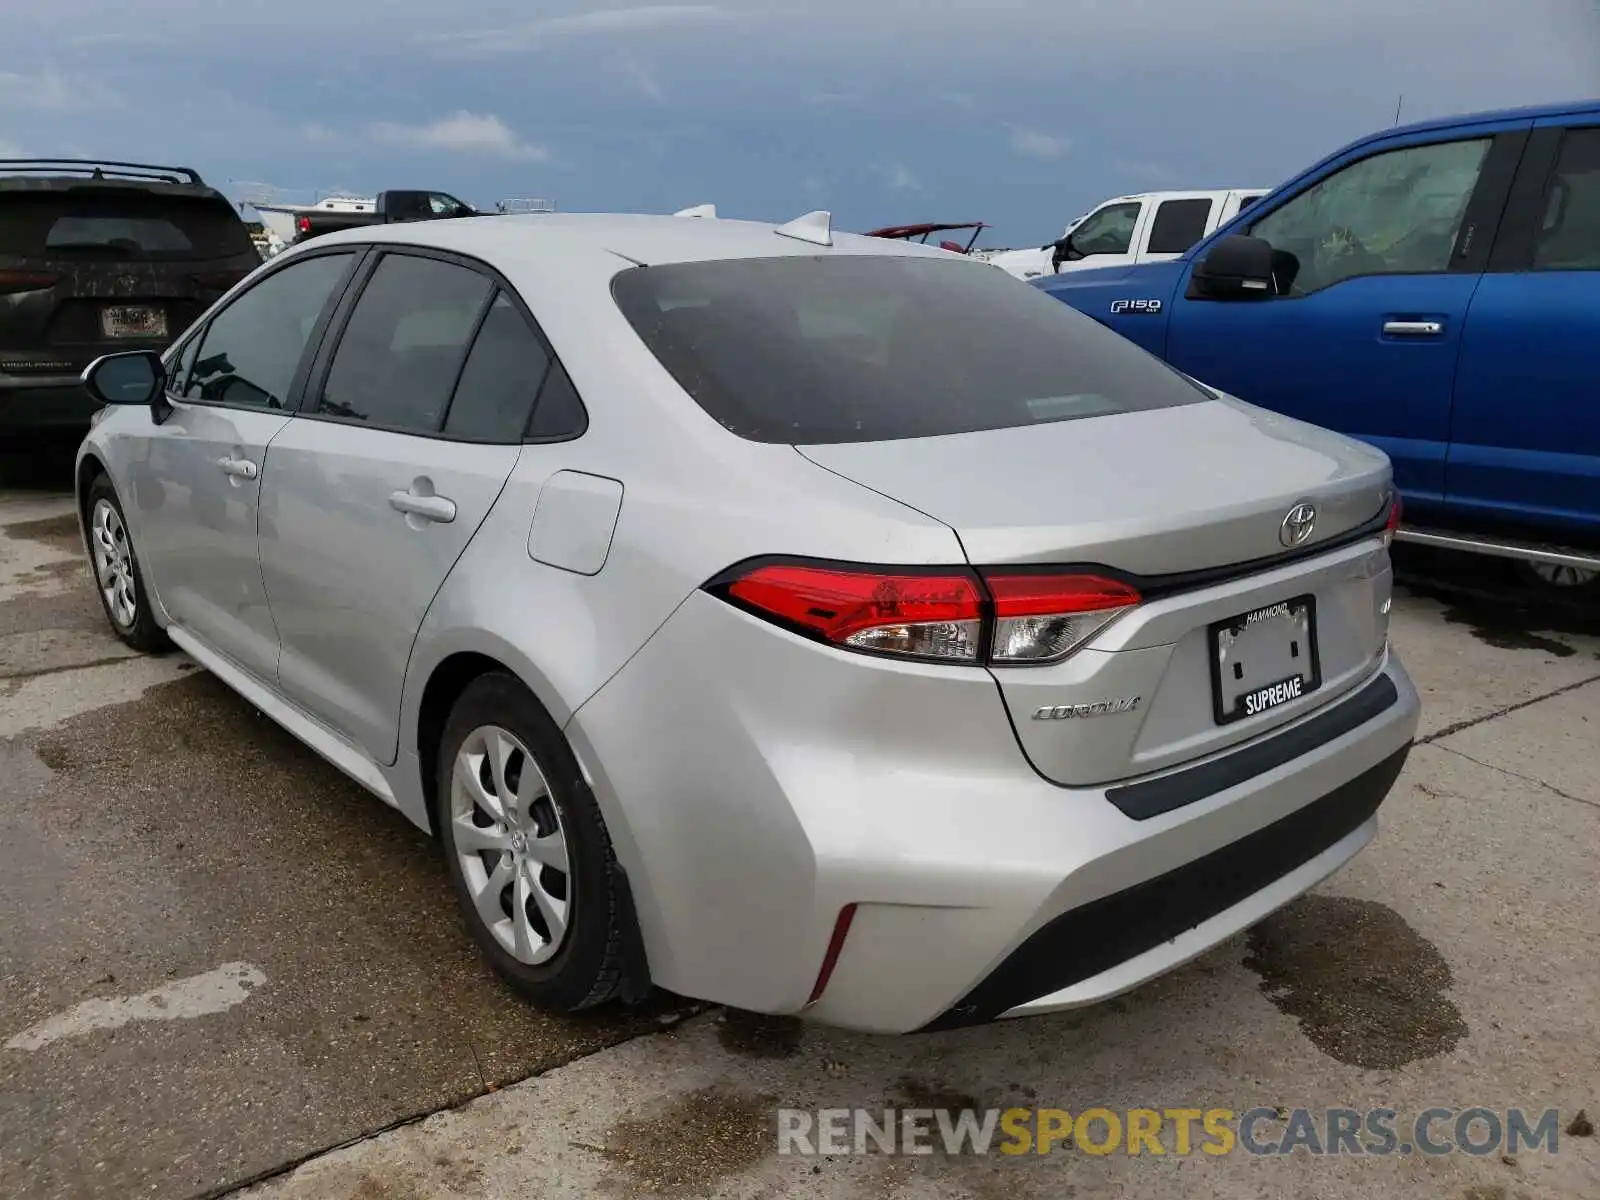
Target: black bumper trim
1093,938
1151,798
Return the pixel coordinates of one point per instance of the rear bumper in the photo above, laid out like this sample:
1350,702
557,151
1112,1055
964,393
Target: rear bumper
44,405
755,792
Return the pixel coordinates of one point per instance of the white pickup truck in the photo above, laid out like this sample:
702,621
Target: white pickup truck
1124,230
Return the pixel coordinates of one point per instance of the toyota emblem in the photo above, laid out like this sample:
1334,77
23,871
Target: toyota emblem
1298,524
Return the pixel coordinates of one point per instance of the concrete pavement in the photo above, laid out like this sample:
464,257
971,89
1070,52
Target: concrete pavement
219,959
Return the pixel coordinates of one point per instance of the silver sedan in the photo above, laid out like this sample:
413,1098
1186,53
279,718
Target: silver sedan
799,621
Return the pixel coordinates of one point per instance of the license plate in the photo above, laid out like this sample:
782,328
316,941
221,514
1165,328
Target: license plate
1264,659
133,321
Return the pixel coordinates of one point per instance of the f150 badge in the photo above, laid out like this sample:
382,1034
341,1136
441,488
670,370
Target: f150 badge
1148,307
1099,708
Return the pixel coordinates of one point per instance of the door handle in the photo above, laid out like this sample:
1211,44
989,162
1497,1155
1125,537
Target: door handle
1413,328
239,468
429,508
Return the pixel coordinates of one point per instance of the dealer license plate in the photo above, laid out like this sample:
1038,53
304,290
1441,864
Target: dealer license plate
133,321
1264,659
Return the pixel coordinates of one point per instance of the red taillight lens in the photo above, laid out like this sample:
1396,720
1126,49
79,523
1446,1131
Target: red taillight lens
1006,617
1042,617
303,224
26,281
1394,519
935,615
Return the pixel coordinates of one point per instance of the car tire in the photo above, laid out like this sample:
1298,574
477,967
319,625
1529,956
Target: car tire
500,839
1576,582
118,577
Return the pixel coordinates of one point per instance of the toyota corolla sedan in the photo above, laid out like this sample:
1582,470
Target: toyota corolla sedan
798,621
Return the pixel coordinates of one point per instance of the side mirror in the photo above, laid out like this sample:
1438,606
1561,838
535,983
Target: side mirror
136,377
1242,268
1063,251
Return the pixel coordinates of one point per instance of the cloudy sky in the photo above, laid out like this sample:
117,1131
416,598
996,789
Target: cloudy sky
1019,112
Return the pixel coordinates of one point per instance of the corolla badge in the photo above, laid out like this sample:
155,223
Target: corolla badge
1099,708
1298,524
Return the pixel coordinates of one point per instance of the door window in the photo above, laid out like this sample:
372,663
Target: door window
404,345
1179,224
250,352
502,376
1108,230
1396,212
1569,230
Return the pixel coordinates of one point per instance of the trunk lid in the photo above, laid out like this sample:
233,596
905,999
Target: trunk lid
1158,495
1159,492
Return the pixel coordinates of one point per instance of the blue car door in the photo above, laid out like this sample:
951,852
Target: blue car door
1388,242
1525,439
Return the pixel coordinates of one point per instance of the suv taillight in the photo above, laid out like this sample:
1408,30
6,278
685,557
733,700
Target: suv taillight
944,614
26,281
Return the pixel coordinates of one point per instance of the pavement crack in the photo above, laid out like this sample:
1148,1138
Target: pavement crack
1519,775
1450,730
478,1063
25,676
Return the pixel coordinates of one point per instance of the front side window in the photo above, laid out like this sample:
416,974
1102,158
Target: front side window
856,348
1569,228
1108,230
403,347
1179,224
1396,212
250,352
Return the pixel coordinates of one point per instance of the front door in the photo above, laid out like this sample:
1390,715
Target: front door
1105,238
378,486
196,487
1525,444
1364,337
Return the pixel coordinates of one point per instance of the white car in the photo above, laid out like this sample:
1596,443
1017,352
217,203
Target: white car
804,622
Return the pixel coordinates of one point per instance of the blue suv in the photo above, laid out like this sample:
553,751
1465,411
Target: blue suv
1433,290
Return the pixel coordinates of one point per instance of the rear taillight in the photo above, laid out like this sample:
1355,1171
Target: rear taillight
1000,617
935,615
1043,617
1393,522
26,281
303,224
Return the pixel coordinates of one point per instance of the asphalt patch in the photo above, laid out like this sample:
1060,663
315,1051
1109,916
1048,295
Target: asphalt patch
1366,988
702,1138
155,840
756,1035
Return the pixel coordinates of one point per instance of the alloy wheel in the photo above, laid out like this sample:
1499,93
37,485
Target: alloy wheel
511,844
113,564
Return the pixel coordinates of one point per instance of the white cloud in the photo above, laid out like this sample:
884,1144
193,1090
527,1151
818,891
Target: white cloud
319,134
515,39
463,133
902,180
1032,144
49,90
642,79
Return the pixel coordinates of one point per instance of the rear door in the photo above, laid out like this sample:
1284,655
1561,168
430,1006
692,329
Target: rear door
1525,436
1177,224
92,269
401,448
1391,241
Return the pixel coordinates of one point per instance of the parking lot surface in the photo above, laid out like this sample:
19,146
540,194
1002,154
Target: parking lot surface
220,960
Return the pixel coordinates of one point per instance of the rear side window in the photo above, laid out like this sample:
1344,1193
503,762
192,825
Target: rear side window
856,348
1569,231
502,376
1179,224
94,225
250,352
404,345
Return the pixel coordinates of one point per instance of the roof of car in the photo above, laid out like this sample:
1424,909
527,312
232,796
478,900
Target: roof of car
1530,112
642,239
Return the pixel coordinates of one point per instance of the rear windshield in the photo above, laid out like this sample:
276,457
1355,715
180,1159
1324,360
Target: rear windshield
858,348
119,226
